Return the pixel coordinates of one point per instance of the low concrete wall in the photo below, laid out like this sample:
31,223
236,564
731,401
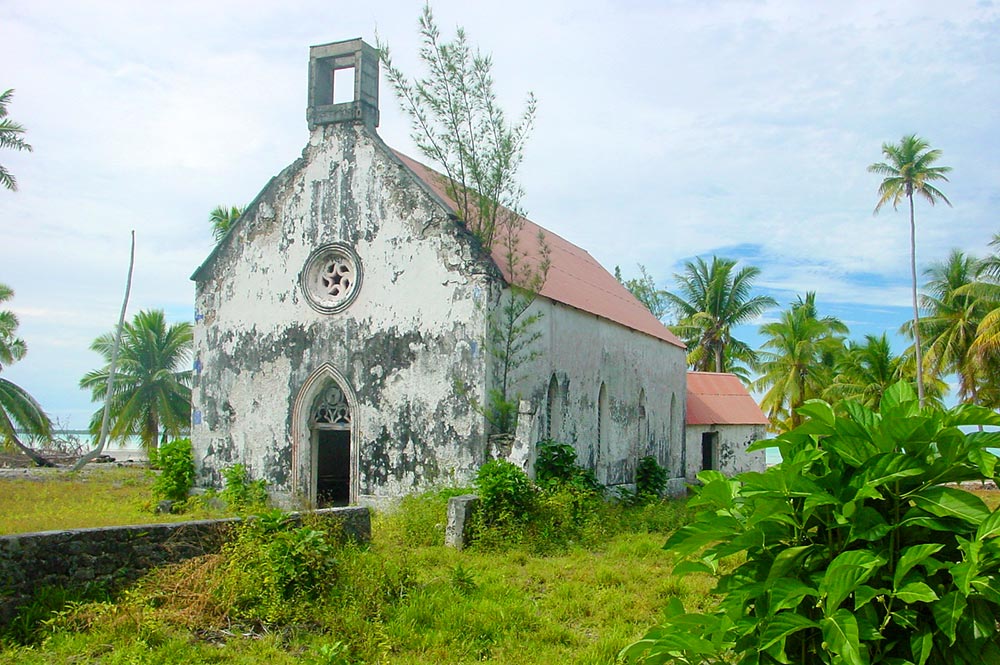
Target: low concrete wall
115,556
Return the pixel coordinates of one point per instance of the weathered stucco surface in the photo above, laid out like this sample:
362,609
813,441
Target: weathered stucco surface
731,456
401,348
644,382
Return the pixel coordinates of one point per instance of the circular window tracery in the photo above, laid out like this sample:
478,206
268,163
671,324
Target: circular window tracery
332,278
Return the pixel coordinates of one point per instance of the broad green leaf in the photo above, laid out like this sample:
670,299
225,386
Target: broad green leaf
970,414
951,502
888,467
990,527
840,633
988,587
899,400
962,574
693,537
782,625
921,644
861,416
985,461
817,409
787,593
700,566
916,592
844,574
864,595
910,557
868,524
947,611
984,623
786,560
853,450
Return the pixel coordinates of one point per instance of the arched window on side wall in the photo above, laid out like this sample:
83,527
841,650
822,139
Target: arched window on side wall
553,413
602,415
642,439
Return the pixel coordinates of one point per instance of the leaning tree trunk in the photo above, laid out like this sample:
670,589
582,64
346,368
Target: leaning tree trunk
35,457
916,310
96,452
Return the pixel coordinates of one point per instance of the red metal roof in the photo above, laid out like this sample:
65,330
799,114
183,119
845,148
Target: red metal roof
720,399
575,278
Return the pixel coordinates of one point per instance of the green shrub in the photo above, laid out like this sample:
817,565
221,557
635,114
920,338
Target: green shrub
650,480
273,568
176,461
241,494
505,492
858,547
556,464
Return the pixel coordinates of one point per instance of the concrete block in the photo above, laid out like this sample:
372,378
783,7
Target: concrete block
460,511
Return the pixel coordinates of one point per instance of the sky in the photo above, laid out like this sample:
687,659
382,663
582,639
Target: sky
665,130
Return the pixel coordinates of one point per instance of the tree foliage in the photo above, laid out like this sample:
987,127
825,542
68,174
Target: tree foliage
858,549
644,289
152,394
909,169
18,409
458,124
222,219
710,300
11,137
797,359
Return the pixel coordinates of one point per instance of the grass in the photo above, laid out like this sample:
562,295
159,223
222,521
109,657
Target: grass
92,498
405,599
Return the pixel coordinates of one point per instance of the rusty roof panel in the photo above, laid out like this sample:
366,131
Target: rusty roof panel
575,278
720,399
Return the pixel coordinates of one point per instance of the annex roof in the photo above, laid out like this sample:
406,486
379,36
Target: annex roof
575,278
720,399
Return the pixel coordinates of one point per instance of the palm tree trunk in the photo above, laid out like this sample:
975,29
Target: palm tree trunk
916,311
35,457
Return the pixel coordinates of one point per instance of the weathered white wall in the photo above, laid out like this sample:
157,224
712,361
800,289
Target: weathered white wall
582,350
412,335
731,455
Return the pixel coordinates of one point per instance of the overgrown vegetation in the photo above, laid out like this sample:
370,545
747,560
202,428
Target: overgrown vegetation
857,547
241,494
176,462
99,496
404,599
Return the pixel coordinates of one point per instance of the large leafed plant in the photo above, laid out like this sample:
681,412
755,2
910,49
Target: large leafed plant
858,548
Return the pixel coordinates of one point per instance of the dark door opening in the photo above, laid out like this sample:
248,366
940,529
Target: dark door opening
333,467
708,440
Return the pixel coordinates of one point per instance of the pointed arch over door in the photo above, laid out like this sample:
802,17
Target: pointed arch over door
325,439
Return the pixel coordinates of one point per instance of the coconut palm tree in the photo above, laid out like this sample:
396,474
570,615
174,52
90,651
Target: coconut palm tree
908,169
953,314
865,370
222,219
18,409
10,137
152,394
797,359
711,299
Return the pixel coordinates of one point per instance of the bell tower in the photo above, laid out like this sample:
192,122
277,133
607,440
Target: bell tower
343,84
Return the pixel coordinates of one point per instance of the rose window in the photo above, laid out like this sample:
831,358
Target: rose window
332,278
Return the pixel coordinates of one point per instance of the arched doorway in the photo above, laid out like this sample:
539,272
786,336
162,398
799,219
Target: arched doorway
330,424
325,440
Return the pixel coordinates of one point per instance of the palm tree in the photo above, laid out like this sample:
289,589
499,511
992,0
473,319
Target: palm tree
984,352
222,219
952,318
909,169
797,359
18,409
711,299
152,395
10,137
865,371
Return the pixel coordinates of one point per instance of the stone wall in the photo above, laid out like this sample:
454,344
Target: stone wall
115,556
